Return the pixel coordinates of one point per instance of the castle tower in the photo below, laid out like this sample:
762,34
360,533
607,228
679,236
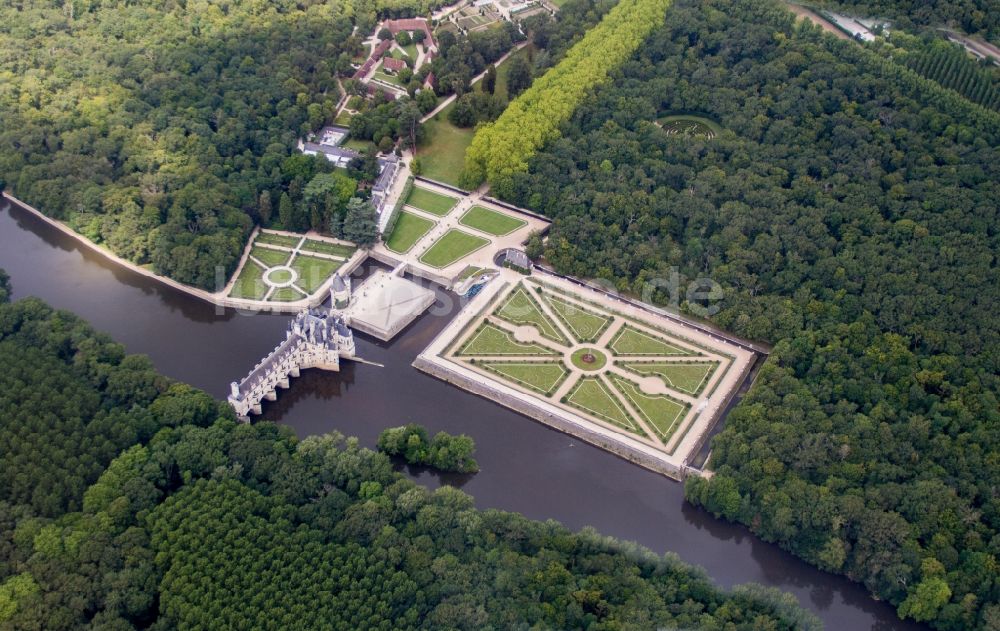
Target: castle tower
340,291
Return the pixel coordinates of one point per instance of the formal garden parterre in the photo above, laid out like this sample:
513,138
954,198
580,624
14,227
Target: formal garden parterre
285,267
644,378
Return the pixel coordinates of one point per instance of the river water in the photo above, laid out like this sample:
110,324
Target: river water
525,466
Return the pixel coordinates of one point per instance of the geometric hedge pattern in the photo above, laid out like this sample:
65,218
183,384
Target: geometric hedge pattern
639,380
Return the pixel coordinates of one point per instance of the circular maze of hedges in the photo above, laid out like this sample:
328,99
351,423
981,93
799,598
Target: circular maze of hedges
688,127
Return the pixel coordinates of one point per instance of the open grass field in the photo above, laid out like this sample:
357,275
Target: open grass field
593,397
408,230
585,325
520,308
541,377
392,79
312,271
662,413
286,294
632,341
277,239
689,378
357,144
490,221
430,202
268,256
490,340
332,249
442,153
250,283
453,246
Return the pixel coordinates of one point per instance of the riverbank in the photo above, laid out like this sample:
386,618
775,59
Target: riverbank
219,299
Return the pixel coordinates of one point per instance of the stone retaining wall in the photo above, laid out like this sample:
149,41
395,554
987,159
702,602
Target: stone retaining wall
482,388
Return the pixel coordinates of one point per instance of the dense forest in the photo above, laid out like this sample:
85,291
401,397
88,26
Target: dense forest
130,501
849,210
501,149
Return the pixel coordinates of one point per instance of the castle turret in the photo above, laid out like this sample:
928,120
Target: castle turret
340,291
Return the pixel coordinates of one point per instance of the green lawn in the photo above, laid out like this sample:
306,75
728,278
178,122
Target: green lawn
442,153
268,256
632,341
592,396
286,294
490,221
277,239
250,283
358,144
469,271
520,308
313,271
502,71
333,249
453,246
541,377
689,378
279,276
388,78
490,340
431,202
584,324
408,230
662,413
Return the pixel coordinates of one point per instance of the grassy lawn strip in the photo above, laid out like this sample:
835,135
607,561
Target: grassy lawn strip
442,153
470,271
585,325
593,397
541,377
250,283
408,230
490,340
286,294
454,245
324,247
661,412
632,341
312,271
270,257
431,202
521,308
490,221
688,377
277,239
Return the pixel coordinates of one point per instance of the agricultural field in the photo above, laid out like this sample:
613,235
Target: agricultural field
430,202
453,246
408,230
620,372
491,222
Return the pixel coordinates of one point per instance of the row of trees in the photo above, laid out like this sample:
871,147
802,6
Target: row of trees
952,67
972,16
501,149
848,209
445,452
204,523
